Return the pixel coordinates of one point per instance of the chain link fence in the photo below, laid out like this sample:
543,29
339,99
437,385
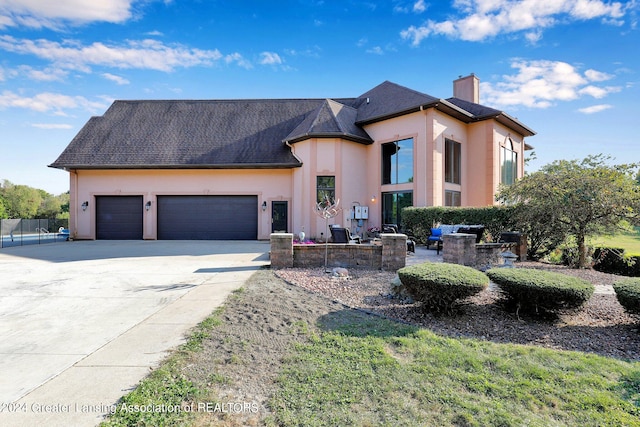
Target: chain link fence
19,232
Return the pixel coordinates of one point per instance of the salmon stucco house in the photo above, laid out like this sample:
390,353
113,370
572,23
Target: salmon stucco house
244,168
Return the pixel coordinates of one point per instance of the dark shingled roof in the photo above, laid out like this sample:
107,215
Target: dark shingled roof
182,134
331,119
389,100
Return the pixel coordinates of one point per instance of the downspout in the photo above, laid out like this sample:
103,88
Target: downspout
73,203
293,151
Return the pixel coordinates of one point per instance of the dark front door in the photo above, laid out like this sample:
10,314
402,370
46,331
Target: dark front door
279,217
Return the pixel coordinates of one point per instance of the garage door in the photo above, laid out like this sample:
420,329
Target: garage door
207,217
119,217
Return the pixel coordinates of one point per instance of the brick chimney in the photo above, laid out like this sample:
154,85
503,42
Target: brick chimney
467,88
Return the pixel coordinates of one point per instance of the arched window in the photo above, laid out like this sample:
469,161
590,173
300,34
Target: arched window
508,163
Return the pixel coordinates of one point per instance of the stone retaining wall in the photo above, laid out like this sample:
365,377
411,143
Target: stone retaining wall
390,254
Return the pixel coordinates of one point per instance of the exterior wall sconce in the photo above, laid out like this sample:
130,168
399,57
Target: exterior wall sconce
264,206
373,199
85,205
148,205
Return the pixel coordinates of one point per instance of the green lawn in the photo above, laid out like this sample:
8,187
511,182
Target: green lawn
630,242
355,369
377,372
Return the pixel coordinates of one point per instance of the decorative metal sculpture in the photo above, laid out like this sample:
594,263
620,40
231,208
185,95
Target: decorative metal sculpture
327,209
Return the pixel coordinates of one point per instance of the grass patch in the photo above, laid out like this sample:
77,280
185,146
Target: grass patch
161,399
371,371
629,241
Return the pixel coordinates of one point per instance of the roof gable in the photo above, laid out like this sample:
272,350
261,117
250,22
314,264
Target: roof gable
330,119
482,112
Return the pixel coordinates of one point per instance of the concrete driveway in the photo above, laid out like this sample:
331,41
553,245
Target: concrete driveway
82,322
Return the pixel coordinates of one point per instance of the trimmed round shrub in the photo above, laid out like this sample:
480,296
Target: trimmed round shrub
628,294
438,286
535,290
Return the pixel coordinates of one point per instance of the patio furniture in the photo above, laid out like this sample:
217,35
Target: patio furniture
342,235
478,230
443,229
435,237
393,228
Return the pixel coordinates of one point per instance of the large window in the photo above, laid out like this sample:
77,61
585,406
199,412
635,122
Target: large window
397,162
508,164
392,204
326,189
452,161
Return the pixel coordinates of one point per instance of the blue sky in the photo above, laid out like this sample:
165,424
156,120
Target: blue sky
570,70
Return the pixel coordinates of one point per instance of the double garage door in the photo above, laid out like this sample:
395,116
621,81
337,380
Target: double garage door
179,217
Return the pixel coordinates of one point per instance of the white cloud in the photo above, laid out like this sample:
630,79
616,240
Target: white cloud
595,109
46,75
142,54
598,92
52,14
238,59
270,58
484,19
116,79
376,50
597,76
419,6
48,102
51,126
539,84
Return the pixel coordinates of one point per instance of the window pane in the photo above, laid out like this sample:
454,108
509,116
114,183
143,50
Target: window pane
452,198
509,166
388,162
452,161
397,162
405,161
392,205
326,188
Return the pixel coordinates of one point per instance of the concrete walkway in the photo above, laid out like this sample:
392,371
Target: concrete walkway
81,323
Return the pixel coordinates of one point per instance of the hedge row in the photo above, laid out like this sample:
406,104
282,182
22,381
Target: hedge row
615,261
628,294
538,290
420,220
438,286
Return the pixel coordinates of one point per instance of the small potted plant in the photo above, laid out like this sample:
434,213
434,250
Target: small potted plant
373,232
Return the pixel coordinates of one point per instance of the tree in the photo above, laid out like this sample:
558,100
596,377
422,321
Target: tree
21,201
577,199
3,211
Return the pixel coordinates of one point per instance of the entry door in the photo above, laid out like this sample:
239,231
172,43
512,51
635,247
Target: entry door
279,217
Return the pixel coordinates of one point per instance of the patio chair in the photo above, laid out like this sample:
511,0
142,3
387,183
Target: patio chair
342,235
435,237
